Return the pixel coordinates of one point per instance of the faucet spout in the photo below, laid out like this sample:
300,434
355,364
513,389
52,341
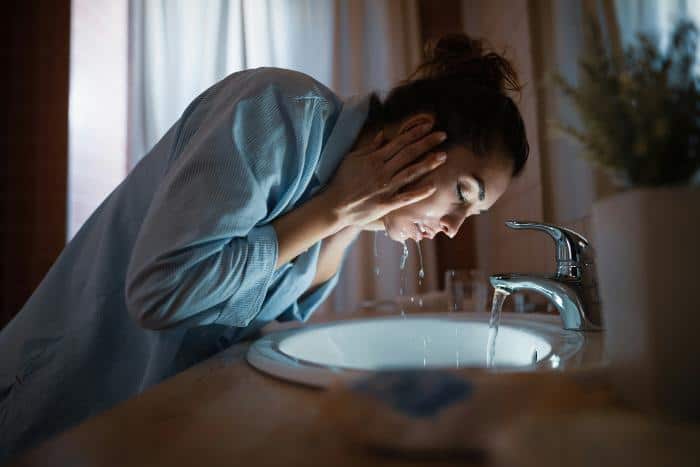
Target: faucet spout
567,296
572,289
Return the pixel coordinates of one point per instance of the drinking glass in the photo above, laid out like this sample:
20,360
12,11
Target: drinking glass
467,289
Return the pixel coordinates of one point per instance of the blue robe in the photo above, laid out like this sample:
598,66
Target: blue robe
179,261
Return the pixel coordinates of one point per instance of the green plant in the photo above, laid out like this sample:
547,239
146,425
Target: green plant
640,110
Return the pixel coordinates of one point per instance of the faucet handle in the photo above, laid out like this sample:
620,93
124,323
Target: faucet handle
572,249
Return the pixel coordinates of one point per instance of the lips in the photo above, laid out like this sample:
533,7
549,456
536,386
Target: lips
424,230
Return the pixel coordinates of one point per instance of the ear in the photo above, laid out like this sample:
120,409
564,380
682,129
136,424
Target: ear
416,120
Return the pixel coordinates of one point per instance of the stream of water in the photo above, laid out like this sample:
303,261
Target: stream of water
499,296
421,271
376,253
402,267
404,256
421,274
403,277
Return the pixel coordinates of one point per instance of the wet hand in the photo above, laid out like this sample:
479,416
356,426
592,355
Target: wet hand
371,181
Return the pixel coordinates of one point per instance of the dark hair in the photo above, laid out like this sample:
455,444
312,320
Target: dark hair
466,88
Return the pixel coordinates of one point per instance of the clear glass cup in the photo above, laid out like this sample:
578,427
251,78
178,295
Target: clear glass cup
467,289
523,302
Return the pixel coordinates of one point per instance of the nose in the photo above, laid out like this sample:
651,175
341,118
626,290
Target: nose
451,224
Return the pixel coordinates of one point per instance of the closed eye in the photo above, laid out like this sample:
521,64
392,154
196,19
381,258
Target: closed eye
460,194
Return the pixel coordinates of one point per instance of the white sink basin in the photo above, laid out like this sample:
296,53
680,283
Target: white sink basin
316,355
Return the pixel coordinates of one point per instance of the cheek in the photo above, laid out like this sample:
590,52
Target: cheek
433,207
412,212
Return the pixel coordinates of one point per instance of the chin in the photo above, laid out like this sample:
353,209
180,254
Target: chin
398,231
395,236
392,229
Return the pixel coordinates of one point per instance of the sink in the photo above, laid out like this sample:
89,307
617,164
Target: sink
316,355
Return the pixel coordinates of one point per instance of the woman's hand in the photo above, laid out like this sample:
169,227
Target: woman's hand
369,182
367,186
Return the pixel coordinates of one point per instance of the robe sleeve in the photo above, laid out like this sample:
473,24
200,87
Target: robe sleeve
206,250
304,306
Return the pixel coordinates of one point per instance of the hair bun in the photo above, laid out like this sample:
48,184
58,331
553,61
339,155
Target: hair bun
455,46
459,56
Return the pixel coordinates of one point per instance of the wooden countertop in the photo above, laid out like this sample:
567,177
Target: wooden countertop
221,412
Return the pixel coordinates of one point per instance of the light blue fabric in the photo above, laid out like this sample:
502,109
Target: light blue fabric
178,262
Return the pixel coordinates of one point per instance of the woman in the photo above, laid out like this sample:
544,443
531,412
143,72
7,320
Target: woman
240,215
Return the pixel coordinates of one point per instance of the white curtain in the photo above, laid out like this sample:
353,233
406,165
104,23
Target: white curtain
178,48
655,17
559,42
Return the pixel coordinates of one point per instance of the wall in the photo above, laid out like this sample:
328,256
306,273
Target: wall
505,24
437,19
543,37
35,48
571,184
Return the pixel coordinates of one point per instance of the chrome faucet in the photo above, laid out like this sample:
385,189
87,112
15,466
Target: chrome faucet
572,289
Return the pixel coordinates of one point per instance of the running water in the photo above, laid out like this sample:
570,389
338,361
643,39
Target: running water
402,266
404,255
456,349
421,274
376,253
499,296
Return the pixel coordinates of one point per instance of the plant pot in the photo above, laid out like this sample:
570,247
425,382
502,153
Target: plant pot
648,261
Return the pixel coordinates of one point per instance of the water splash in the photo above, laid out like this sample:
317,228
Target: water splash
499,296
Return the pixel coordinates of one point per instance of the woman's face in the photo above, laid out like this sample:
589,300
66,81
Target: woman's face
466,184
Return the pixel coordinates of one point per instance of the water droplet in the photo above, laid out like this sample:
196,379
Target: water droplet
421,272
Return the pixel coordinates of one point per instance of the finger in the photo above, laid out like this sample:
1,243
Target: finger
413,151
372,146
409,197
417,170
405,138
379,139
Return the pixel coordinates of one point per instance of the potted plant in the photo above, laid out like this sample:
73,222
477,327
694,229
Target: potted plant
640,122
